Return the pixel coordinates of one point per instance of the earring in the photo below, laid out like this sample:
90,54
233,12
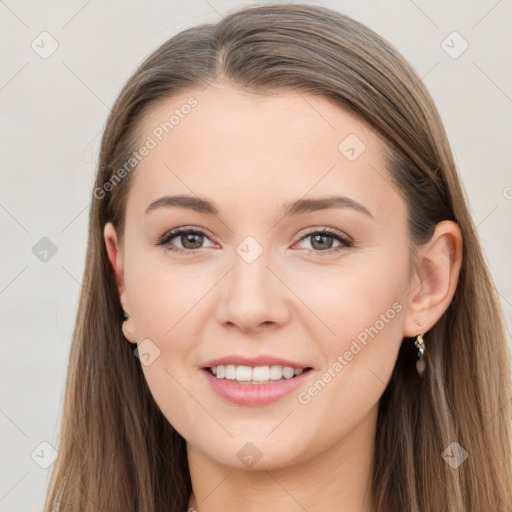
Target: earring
420,363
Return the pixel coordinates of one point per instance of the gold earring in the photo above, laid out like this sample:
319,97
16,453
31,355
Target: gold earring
420,363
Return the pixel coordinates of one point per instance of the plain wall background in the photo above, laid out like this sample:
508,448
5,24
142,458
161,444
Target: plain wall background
53,113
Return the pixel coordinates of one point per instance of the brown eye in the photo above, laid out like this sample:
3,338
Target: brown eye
191,240
322,242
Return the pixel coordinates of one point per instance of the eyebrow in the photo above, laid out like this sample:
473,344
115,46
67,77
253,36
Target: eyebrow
297,207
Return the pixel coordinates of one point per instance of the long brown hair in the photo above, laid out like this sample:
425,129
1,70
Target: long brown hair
119,453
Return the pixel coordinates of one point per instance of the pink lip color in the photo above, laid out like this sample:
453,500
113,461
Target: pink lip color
254,394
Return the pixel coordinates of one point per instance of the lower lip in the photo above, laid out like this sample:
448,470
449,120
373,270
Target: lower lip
254,394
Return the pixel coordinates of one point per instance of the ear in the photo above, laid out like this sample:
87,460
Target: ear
115,255
435,279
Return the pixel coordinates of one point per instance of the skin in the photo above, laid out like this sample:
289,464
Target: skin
251,154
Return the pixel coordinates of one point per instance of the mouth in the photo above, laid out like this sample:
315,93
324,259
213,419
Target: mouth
255,386
243,374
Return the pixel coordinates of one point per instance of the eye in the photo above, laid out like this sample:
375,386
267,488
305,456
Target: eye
322,241
191,240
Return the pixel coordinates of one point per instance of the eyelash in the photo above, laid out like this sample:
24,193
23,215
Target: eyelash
345,242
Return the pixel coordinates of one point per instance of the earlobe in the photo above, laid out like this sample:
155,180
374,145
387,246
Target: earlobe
128,330
435,278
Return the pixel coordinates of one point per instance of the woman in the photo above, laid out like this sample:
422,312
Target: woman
285,304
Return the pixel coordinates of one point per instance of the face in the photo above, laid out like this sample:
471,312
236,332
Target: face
249,282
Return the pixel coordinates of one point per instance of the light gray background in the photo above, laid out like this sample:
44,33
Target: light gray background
53,112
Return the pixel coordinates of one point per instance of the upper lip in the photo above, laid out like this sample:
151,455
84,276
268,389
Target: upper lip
262,360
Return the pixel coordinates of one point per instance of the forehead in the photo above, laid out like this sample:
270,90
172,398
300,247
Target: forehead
242,148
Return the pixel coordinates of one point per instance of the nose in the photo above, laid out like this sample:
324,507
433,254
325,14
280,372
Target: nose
253,295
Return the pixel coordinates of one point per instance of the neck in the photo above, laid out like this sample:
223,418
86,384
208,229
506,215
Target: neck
336,479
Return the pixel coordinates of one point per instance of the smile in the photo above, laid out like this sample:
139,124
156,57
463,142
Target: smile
258,386
255,375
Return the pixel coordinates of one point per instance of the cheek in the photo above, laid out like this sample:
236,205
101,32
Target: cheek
365,313
360,331
166,304
161,294
363,293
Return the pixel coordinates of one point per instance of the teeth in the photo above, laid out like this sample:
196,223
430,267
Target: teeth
276,372
261,373
243,373
230,372
257,374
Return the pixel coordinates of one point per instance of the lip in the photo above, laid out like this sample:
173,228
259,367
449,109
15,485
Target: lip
253,395
262,360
